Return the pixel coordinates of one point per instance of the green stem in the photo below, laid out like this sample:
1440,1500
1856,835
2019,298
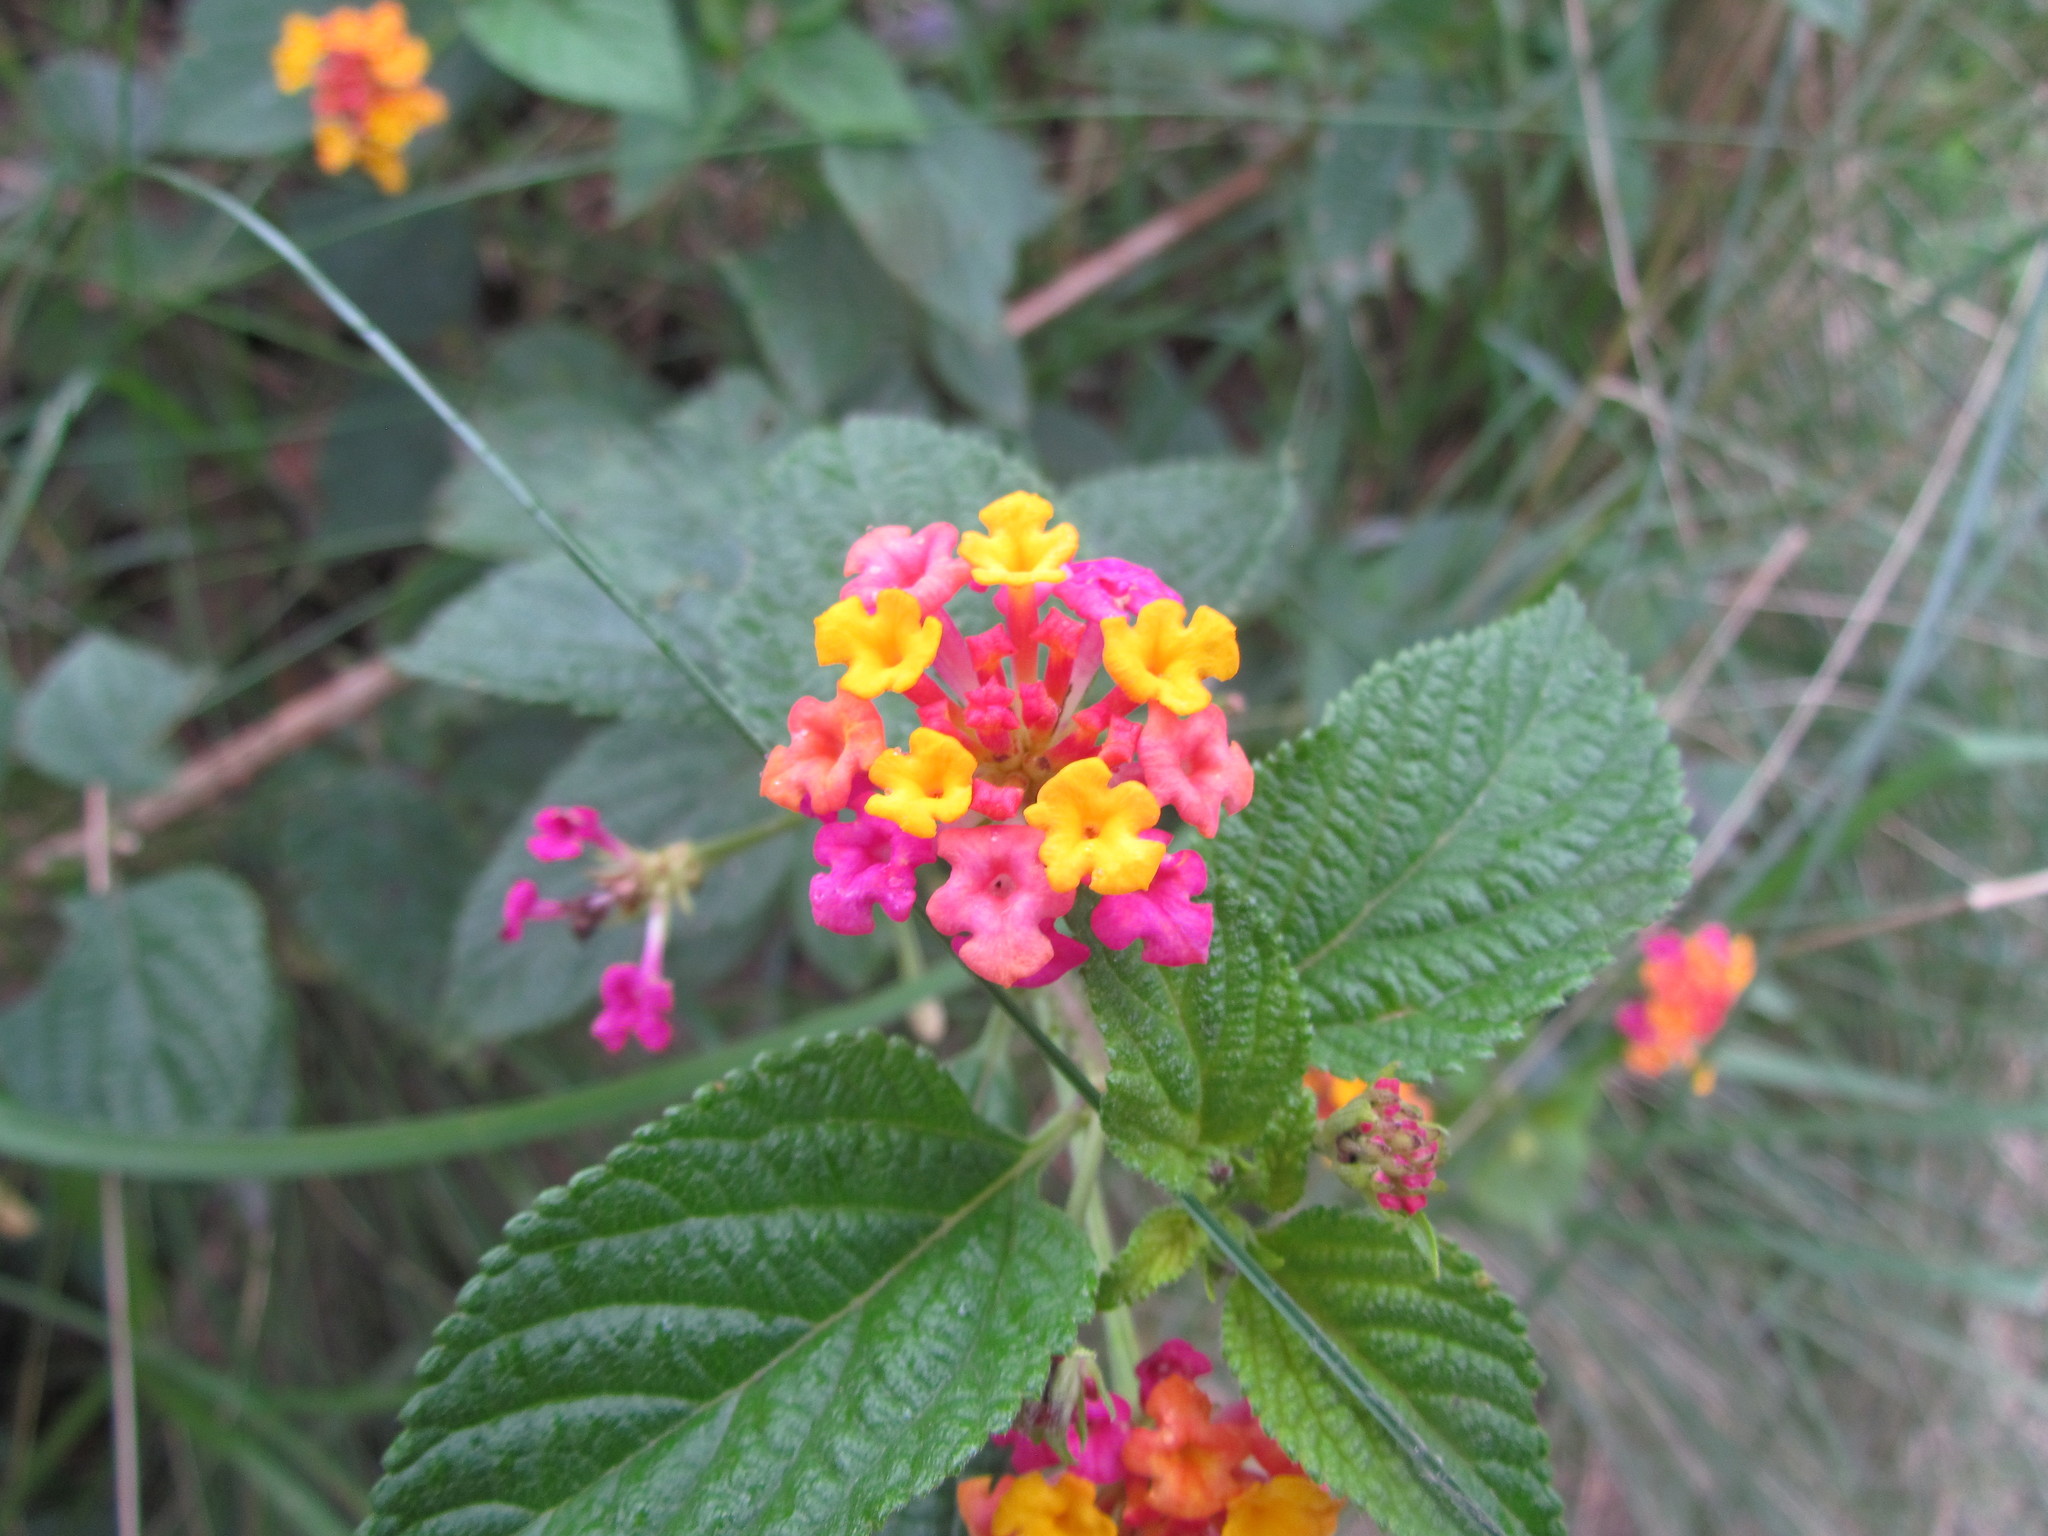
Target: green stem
408,1143
375,339
717,850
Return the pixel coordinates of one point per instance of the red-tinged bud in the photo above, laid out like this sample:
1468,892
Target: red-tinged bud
1382,1147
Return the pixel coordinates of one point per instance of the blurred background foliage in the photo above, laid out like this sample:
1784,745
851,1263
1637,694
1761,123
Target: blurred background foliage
1733,285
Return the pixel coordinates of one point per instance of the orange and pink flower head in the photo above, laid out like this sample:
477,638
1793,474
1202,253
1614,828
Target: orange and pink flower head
367,71
1187,1468
1023,778
1690,982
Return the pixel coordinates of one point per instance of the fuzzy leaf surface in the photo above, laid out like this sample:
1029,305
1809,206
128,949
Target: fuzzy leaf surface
628,55
788,1306
99,713
1465,839
1203,1058
1450,1354
159,1013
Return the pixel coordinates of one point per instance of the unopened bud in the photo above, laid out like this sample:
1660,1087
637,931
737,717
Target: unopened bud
1381,1147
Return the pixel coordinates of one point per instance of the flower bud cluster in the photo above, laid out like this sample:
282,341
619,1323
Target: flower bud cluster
1380,1138
1022,778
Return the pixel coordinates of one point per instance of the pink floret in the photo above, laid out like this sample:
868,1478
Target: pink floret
1174,928
636,1005
1176,1357
561,831
524,904
1101,589
867,860
997,902
1192,765
922,564
1067,955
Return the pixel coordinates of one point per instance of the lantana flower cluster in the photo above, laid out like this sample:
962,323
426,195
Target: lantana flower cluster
1690,983
1023,787
637,1000
367,72
1379,1136
1190,1469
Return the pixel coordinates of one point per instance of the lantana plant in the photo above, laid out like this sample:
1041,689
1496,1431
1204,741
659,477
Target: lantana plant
819,1288
367,72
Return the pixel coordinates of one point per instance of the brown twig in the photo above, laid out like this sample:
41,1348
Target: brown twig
350,695
1789,546
1984,896
1097,271
229,764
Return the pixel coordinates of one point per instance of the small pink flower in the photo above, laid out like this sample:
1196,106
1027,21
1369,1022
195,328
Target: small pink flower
1099,1458
638,1004
831,743
867,860
1101,589
1192,765
524,904
1027,1454
922,564
1174,927
1176,1357
997,902
561,831
1067,954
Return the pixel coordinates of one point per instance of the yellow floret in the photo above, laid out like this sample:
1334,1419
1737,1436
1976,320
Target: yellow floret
931,783
1019,550
1165,655
883,652
1092,830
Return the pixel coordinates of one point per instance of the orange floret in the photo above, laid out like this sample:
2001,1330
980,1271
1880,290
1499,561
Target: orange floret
366,70
1287,1506
1192,1463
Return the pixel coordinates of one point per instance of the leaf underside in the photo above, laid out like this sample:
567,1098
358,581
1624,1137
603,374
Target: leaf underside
1451,1354
788,1306
1464,840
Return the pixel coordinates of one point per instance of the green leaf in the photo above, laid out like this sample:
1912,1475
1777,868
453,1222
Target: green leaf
379,467
624,54
643,485
375,866
221,97
541,632
1450,1354
415,275
158,1015
828,320
1161,1249
839,83
652,783
1213,528
1439,232
1464,839
1202,1058
85,103
985,374
100,712
946,216
813,501
791,1304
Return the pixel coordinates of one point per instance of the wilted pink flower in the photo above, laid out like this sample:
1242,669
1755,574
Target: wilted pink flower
1192,765
1174,927
996,902
867,860
922,564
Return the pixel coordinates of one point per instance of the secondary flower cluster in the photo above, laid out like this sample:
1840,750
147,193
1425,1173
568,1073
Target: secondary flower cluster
1690,984
365,68
1191,1471
637,999
1379,1137
1024,789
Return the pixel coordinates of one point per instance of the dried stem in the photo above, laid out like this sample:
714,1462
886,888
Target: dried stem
1784,551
